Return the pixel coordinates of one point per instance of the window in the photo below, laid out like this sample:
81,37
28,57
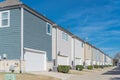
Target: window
82,45
49,29
64,36
4,18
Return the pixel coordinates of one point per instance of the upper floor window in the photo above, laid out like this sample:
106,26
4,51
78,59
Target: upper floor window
82,44
64,36
49,29
4,18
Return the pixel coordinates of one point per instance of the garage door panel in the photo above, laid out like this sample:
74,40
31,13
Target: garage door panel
35,61
88,62
63,60
77,61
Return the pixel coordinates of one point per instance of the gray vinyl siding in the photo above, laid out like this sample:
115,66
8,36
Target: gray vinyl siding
105,59
35,36
10,36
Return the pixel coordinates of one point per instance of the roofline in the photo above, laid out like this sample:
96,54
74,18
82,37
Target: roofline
76,37
47,20
61,28
37,14
10,7
88,43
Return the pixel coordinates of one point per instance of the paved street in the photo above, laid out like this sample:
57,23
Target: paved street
108,74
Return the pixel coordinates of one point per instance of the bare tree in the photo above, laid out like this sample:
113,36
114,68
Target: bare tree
116,58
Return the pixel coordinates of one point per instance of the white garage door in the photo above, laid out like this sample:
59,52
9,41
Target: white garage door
88,62
94,62
35,60
98,63
63,60
78,61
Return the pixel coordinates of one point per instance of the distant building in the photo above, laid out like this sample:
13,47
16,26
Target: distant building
118,64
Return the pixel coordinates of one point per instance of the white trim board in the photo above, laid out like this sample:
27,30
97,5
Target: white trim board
32,57
47,29
34,50
22,25
8,25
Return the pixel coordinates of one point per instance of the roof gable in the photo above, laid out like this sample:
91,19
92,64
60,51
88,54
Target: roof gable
9,3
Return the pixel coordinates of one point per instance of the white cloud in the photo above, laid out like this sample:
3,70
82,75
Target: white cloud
70,16
108,49
96,23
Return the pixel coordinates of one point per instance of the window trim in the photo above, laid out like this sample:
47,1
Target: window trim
82,44
8,25
64,36
50,29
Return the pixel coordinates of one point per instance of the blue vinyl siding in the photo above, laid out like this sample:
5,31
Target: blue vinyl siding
35,36
10,36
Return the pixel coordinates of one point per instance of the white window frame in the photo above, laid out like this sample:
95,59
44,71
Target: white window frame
8,25
82,44
64,36
50,29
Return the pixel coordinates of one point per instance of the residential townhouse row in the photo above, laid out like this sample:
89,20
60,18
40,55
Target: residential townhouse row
31,42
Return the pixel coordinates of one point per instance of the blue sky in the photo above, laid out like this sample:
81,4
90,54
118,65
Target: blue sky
97,20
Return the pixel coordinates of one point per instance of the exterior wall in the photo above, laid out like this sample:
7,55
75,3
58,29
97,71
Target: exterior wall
73,52
118,63
10,38
101,58
54,47
61,46
109,61
105,60
49,65
79,51
98,58
35,36
88,54
6,64
94,55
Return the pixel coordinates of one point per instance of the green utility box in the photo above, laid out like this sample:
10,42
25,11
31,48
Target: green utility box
10,77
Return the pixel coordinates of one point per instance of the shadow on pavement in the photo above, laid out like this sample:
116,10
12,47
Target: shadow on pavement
116,78
115,71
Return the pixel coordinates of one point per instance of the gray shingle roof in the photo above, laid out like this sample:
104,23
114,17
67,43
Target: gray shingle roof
9,3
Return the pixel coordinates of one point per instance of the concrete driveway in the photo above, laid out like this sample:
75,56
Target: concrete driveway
61,76
105,74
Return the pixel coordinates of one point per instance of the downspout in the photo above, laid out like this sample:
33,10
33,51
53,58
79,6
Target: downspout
74,52
21,58
56,49
92,56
